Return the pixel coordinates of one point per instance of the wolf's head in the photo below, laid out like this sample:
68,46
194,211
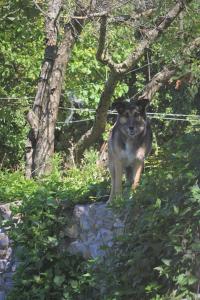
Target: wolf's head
131,116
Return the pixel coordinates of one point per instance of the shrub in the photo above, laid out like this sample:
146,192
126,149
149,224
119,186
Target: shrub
158,257
47,270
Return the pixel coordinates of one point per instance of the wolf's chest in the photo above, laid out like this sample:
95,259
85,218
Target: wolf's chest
130,153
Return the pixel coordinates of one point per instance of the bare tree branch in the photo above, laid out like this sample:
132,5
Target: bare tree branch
152,35
131,18
101,116
193,45
40,9
157,82
102,53
167,72
119,19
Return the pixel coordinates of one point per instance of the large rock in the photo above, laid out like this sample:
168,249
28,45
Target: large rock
7,258
93,230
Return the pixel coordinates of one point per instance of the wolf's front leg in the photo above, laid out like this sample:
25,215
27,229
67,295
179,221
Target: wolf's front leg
112,174
138,167
116,172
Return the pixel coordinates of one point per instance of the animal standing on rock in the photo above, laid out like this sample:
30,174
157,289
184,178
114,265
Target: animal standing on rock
129,144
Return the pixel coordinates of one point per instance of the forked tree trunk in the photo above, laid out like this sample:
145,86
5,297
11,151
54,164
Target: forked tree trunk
98,128
42,117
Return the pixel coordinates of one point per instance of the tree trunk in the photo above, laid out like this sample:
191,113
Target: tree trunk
42,117
98,128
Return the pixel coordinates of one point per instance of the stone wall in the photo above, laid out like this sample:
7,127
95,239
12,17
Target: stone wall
7,259
91,233
93,229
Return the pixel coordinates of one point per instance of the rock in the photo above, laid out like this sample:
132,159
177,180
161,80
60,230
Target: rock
3,265
80,210
4,241
8,284
95,251
2,295
78,247
95,227
72,231
104,236
3,253
5,211
7,259
84,222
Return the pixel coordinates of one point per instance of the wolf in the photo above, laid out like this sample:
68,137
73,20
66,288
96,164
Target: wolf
129,144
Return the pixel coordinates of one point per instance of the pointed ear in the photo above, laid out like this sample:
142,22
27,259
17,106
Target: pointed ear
142,104
120,106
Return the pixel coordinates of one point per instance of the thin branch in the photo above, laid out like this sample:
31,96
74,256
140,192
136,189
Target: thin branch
40,9
193,45
151,36
157,81
102,13
102,54
119,18
167,72
131,18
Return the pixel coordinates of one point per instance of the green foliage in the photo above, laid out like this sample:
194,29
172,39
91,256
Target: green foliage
21,54
158,256
15,187
86,183
47,270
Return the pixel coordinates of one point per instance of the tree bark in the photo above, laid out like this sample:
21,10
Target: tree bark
167,72
157,82
98,128
42,117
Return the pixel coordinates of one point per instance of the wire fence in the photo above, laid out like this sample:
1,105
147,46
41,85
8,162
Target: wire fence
160,116
152,115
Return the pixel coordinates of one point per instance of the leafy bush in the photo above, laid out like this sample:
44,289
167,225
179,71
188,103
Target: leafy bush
86,183
158,257
47,271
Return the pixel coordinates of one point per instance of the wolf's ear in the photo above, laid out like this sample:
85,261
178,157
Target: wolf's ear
142,104
120,106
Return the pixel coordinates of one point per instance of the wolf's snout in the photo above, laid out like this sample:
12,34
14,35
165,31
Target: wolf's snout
131,130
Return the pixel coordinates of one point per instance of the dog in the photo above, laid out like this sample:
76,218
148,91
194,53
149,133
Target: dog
129,144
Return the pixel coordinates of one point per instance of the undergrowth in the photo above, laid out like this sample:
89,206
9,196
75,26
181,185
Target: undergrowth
78,184
157,258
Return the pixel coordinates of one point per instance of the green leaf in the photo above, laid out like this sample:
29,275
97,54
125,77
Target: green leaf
167,262
59,279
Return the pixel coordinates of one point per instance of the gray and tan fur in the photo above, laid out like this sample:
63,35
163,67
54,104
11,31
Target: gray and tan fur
129,143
